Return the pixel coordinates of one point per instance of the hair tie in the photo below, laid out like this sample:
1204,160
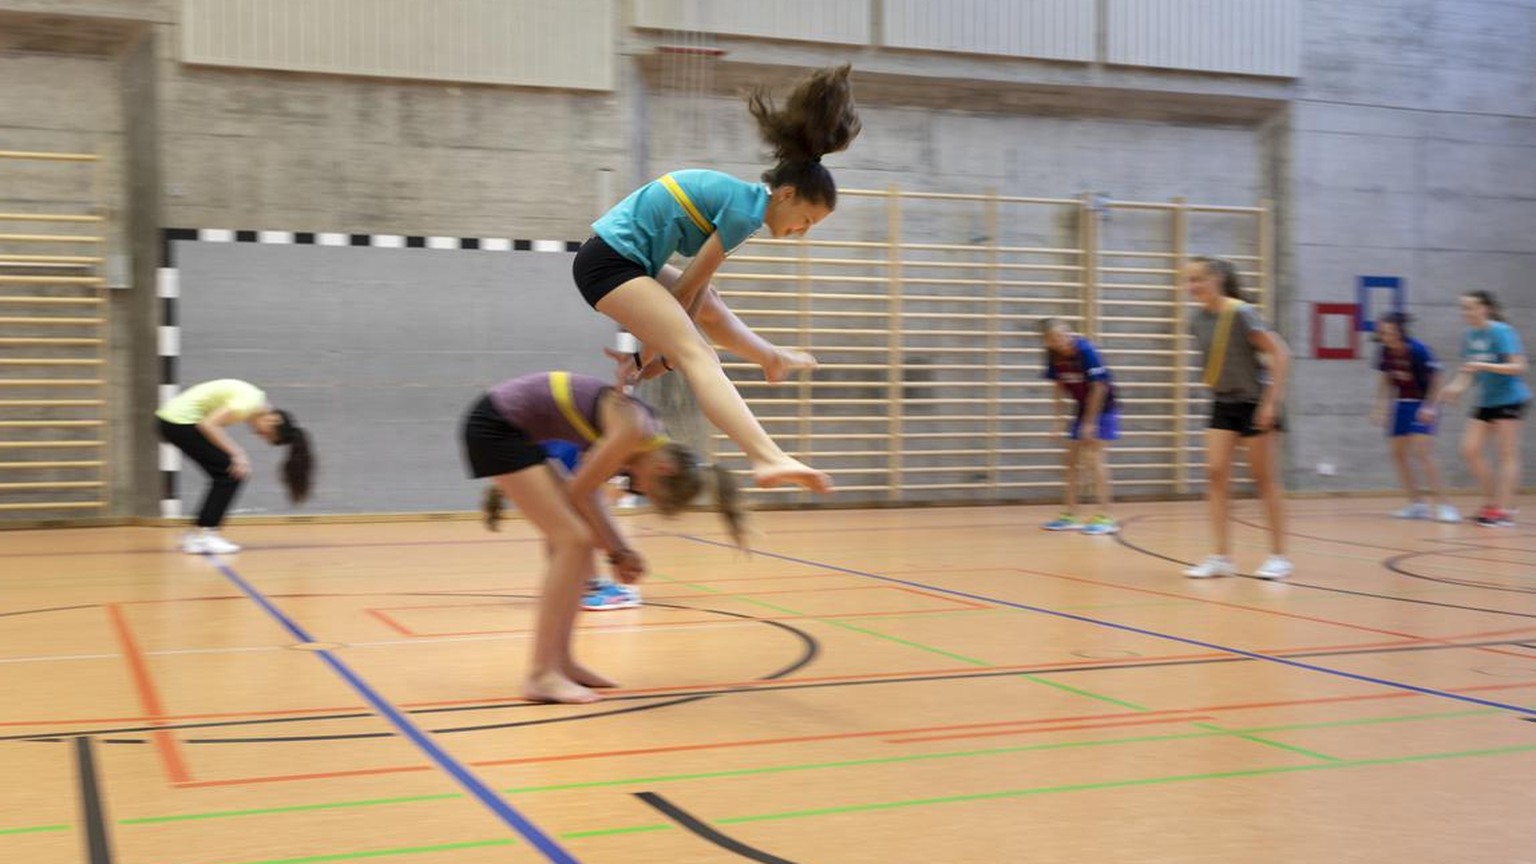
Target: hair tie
816,159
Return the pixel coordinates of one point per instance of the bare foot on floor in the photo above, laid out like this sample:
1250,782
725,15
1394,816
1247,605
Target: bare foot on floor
554,687
586,677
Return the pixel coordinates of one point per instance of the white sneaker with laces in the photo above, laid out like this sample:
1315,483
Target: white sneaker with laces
1212,567
1416,510
208,543
1447,513
1274,567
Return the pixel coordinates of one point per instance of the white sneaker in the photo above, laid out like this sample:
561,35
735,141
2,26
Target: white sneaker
1274,567
1447,513
207,543
1212,567
1416,510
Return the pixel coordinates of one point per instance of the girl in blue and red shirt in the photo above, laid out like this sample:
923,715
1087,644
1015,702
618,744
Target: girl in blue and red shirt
1074,365
1405,407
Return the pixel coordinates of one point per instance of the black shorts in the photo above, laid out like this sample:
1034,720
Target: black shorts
1238,417
1500,412
492,446
599,268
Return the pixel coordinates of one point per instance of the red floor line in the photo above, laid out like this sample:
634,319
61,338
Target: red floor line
866,676
565,757
149,697
725,745
391,623
692,596
957,600
649,625
318,775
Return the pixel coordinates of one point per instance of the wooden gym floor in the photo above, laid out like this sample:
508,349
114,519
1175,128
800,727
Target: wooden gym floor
945,685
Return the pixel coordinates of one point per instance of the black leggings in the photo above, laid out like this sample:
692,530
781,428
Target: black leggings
221,493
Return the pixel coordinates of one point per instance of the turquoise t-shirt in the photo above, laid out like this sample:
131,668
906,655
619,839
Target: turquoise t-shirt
1496,343
650,225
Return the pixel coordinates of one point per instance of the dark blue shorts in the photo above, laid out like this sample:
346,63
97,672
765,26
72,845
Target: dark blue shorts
1405,420
1109,426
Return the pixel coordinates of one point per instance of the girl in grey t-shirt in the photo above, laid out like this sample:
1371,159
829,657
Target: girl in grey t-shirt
1246,367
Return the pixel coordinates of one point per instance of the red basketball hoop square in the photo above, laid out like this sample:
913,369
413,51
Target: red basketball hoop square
1333,331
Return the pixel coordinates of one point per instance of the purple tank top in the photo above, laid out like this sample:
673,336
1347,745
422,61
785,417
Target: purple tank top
553,406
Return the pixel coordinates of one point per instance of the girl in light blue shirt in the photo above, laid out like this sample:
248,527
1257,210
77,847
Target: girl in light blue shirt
1495,362
622,269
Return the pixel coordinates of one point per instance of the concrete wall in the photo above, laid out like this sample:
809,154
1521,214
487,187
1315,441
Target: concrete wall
1407,147
1413,153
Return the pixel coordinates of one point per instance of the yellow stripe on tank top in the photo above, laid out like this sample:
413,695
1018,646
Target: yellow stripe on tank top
560,388
1218,357
671,184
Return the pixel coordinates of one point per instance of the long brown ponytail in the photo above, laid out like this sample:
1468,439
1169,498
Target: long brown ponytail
675,491
818,118
299,468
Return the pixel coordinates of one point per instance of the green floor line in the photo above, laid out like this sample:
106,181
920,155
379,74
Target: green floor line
780,769
292,808
1118,784
828,619
1213,732
900,641
609,832
1098,696
35,829
385,853
1313,754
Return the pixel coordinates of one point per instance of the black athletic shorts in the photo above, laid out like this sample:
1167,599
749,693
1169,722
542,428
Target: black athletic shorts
599,268
1500,412
1238,417
492,446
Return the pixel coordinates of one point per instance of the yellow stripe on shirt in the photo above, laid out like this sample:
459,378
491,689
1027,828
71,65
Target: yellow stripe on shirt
671,185
1218,356
560,388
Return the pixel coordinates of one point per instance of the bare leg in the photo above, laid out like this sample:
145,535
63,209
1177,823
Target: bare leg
1472,453
649,311
1099,453
1507,439
1220,444
1424,449
541,497
1263,463
1404,467
1074,449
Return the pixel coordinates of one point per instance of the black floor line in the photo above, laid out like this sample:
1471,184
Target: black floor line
706,831
1123,540
1395,563
773,688
93,818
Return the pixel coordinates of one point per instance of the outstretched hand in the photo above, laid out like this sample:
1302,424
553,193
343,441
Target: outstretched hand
626,369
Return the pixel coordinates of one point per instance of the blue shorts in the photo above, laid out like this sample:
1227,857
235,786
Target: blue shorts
1405,420
564,452
1109,426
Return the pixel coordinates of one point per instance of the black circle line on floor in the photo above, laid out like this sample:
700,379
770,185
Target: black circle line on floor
809,651
1395,565
53,737
1122,538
